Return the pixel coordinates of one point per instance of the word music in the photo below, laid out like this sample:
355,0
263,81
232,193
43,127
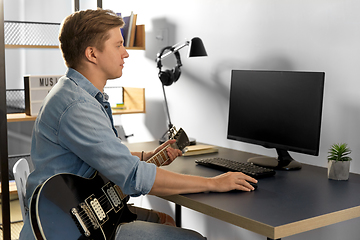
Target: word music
48,82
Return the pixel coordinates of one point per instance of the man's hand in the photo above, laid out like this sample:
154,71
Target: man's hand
171,152
231,181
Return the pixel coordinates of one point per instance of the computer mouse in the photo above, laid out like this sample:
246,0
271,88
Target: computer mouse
253,184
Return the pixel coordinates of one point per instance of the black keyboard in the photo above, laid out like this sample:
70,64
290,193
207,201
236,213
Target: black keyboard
234,166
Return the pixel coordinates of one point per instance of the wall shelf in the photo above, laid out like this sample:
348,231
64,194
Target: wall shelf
21,34
134,102
12,187
139,38
28,46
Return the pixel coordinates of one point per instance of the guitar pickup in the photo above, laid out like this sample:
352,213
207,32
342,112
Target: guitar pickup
113,196
97,209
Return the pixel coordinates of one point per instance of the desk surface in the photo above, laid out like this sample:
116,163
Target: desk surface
291,202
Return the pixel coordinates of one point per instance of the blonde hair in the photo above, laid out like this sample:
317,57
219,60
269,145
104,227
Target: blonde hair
83,29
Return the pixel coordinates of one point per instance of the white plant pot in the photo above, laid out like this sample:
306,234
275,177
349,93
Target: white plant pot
338,170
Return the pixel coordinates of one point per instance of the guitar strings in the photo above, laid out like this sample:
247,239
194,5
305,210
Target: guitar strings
85,217
154,158
87,222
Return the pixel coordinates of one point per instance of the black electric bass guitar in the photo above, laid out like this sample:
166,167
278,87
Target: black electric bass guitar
85,208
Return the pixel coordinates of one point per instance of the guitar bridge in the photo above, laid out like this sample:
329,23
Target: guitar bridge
87,216
80,222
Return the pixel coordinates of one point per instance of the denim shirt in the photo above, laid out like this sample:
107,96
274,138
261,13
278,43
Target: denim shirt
74,133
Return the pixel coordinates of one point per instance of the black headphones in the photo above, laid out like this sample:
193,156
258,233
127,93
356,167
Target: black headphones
168,77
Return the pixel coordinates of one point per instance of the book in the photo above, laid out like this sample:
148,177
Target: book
132,31
200,149
124,28
127,29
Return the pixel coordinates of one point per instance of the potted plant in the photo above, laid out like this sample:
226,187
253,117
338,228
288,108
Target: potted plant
339,161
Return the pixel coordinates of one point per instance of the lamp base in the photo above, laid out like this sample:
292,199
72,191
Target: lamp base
191,140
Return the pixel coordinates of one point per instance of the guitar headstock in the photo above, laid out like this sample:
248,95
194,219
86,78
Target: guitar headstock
182,140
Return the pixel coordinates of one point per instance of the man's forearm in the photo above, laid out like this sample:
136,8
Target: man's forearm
169,183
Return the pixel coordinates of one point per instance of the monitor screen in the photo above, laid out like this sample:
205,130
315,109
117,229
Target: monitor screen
277,109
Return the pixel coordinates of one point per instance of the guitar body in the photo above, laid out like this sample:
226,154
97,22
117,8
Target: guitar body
73,207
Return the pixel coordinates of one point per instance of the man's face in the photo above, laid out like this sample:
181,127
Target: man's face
111,59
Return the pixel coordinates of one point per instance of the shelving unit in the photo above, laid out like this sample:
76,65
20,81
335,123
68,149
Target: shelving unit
5,191
134,100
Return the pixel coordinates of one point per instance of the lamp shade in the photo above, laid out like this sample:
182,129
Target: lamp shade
197,48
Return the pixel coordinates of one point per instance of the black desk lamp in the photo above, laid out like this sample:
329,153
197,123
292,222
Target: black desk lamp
168,77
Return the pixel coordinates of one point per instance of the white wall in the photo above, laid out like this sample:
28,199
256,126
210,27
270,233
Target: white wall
303,35
278,34
306,35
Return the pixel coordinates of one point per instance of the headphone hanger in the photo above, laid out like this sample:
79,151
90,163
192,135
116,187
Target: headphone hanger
168,77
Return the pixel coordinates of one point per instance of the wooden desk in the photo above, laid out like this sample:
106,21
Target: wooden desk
289,203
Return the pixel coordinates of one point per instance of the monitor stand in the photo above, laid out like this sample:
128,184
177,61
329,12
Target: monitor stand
283,162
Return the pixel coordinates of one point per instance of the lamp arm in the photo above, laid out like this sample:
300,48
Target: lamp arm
176,48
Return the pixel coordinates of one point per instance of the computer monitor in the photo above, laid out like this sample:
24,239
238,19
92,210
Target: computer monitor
277,109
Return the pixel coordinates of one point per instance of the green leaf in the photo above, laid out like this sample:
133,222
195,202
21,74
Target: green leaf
339,152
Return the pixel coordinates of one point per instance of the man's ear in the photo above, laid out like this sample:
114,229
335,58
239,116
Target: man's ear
90,54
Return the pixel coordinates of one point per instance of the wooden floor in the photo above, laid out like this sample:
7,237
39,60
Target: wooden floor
15,217
15,230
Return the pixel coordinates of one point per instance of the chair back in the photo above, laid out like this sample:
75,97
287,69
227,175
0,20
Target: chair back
21,172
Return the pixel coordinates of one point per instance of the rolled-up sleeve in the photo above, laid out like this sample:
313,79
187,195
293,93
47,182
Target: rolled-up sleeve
144,181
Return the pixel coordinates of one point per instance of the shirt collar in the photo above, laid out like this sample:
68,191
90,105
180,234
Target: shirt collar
84,83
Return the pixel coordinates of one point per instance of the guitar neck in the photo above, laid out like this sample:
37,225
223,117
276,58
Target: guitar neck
159,158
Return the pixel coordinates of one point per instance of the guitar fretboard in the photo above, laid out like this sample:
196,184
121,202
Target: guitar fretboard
159,158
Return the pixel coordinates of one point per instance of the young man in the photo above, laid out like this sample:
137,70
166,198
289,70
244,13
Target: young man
74,131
